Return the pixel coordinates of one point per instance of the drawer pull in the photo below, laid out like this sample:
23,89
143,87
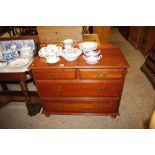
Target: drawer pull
100,89
101,75
56,89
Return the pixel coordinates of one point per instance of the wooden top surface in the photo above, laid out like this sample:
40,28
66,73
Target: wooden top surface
111,58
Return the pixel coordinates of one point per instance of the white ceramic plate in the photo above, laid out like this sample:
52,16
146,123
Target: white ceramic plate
19,62
3,64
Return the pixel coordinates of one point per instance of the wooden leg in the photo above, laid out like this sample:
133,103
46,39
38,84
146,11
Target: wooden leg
4,86
32,108
113,116
47,115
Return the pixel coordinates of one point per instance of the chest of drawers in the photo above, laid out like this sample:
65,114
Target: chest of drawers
79,88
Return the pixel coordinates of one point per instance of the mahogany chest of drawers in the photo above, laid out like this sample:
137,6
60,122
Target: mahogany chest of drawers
79,88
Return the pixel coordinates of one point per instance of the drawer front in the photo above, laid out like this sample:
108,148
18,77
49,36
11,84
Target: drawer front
83,88
81,106
54,74
101,73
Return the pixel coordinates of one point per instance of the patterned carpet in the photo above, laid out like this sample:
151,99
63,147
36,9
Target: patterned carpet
136,107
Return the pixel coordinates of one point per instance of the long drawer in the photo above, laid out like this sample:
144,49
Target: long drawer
79,88
107,106
101,73
45,74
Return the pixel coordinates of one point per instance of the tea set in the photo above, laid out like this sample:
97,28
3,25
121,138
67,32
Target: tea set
66,50
52,53
15,58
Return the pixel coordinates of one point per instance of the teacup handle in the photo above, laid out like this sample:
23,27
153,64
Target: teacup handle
100,56
60,44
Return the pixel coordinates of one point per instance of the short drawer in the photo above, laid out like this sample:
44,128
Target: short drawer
105,106
54,74
81,88
101,73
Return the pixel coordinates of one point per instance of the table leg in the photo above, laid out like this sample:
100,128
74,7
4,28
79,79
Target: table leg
32,108
4,86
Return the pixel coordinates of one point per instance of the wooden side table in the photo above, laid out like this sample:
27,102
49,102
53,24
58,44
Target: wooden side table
21,75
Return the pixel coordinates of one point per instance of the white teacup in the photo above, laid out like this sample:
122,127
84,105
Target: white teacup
68,43
43,52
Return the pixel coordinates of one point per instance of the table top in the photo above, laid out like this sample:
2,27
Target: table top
112,57
8,69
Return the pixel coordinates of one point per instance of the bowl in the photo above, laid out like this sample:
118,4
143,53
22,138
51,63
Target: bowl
92,59
70,55
91,53
88,46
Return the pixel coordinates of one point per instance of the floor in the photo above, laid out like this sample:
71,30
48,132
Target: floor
136,107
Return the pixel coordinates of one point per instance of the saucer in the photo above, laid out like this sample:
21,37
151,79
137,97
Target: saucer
52,61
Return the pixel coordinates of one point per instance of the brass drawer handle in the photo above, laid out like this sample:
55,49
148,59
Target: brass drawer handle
100,89
56,89
101,75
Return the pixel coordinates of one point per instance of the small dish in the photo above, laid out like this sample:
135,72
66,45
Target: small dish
20,62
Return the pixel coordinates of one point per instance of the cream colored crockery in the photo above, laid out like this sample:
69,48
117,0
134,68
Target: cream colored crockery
92,59
91,53
26,52
54,47
71,54
43,52
88,46
52,59
68,43
1,54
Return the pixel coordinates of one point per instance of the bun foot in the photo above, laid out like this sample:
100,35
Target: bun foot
113,116
33,109
47,115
